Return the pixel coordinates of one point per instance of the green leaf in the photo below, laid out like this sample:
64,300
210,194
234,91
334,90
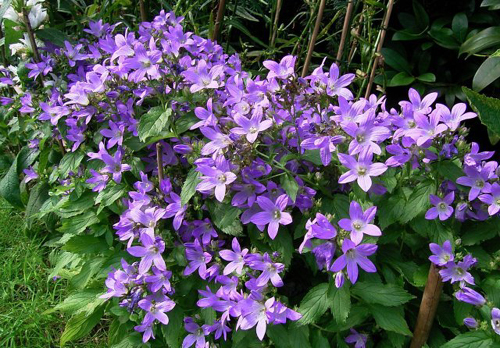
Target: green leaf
5,6
476,339
390,319
70,163
85,244
314,304
87,271
225,217
76,301
384,294
131,341
390,210
299,336
173,332
357,315
487,108
395,60
80,325
487,3
338,206
189,187
290,186
109,195
340,302
38,195
477,232
435,230
418,201
185,122
53,36
459,25
78,224
312,156
154,122
486,38
9,186
461,311
450,170
278,335
427,77
401,79
487,73
421,17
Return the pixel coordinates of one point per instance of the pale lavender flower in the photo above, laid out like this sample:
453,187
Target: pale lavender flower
353,257
366,134
454,117
236,258
319,228
272,214
493,199
441,255
459,272
251,127
474,157
358,339
336,85
115,133
149,253
270,271
217,177
418,104
441,207
325,144
202,78
495,320
175,209
361,169
218,141
281,70
100,180
359,222
428,127
155,307
197,258
477,180
255,313
114,165
196,334
206,116
159,280
470,296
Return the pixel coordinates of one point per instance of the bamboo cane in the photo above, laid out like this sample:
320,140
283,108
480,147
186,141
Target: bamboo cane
31,36
142,9
428,307
276,20
218,19
313,38
159,161
378,53
345,28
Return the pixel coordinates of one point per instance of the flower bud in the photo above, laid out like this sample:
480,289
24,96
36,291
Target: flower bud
471,323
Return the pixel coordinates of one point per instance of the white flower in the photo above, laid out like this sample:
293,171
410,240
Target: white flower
37,14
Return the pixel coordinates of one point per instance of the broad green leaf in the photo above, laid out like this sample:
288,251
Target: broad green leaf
154,122
79,223
401,79
486,38
225,217
318,340
384,294
418,201
488,3
185,122
390,319
427,77
38,195
490,287
290,186
477,232
53,36
340,302
357,315
435,230
339,206
87,271
487,73
25,158
9,186
80,325
395,60
173,332
189,187
459,25
461,311
110,195
450,170
476,339
299,336
421,17
312,156
85,244
131,341
279,336
390,210
77,301
488,109
444,37
70,163
314,304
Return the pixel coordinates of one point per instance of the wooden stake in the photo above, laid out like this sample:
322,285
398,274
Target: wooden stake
345,28
275,24
31,36
428,307
142,9
159,161
378,53
218,19
313,38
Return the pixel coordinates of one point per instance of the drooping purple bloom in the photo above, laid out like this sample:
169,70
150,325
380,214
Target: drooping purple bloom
358,339
100,180
471,323
477,180
359,222
441,255
149,253
361,169
353,257
272,214
236,258
470,296
251,127
493,199
495,320
441,207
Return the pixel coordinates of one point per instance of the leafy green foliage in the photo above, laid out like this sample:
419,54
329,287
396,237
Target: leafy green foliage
314,304
154,123
383,294
487,109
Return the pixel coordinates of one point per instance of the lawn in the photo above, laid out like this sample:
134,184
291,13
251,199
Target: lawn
25,290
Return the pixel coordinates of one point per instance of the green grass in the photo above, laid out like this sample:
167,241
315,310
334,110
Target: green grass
26,292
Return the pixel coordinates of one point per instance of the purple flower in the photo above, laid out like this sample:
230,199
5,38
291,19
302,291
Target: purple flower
220,329
149,253
361,169
283,70
99,179
477,180
417,104
471,323
202,78
474,157
216,177
30,174
457,114
236,258
53,113
197,258
270,271
251,127
206,116
156,306
442,255
197,334
255,313
175,209
470,296
366,134
272,214
319,228
359,222
247,192
336,85
495,320
458,272
218,141
114,165
353,257
493,199
428,127
159,280
205,230
115,133
358,339
326,146
441,207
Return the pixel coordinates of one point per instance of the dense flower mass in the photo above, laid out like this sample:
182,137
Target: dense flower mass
217,175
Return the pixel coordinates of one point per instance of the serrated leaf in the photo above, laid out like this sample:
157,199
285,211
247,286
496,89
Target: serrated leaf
290,186
340,302
390,210
384,294
173,332
278,335
185,122
487,109
85,244
450,170
70,163
476,339
154,122
390,319
299,336
314,304
76,301
418,201
477,232
80,325
38,195
338,205
225,217
78,224
189,186
109,195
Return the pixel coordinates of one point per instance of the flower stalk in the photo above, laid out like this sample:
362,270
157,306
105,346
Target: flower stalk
31,35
